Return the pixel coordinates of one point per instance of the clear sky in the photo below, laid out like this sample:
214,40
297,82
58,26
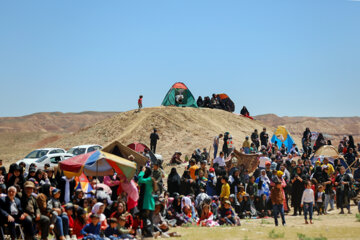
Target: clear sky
291,58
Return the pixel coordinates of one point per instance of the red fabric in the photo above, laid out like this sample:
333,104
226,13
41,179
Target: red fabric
77,228
130,202
137,147
179,85
140,101
74,164
137,223
71,221
129,218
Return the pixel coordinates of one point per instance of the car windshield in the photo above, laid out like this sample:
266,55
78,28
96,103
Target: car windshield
41,159
37,154
77,151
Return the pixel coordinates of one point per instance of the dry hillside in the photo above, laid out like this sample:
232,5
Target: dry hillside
336,127
51,122
180,129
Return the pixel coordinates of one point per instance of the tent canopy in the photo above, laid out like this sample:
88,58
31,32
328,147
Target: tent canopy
327,151
123,151
177,90
282,136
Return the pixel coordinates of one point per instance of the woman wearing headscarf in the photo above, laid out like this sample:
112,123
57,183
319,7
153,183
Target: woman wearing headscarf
98,209
298,187
263,182
17,177
187,184
173,182
146,201
342,183
320,141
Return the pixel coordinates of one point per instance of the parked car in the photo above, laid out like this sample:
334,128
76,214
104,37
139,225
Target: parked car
38,153
52,159
82,149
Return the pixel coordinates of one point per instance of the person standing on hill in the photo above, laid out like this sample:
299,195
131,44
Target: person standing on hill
264,138
216,144
154,137
255,139
140,102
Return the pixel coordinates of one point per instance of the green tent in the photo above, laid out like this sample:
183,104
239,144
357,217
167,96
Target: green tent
179,95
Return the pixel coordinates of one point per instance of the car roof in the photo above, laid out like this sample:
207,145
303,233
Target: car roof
48,149
59,154
86,146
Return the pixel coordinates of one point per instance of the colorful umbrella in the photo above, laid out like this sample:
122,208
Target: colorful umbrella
97,163
83,183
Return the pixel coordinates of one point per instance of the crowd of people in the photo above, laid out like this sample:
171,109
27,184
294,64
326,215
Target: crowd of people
216,102
214,189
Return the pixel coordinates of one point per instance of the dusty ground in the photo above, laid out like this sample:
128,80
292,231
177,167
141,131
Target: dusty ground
331,226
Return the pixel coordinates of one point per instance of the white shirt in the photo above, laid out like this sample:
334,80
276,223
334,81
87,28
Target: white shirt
308,196
263,161
219,160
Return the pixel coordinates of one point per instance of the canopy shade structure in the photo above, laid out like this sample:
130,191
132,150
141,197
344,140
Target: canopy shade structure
118,149
98,163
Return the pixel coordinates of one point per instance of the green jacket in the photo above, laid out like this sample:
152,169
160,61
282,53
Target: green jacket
149,201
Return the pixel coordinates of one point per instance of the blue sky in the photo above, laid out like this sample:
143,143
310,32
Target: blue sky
290,58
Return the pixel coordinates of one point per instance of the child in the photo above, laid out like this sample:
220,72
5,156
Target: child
308,201
320,199
227,215
140,102
225,189
277,199
123,231
58,216
207,217
112,231
91,231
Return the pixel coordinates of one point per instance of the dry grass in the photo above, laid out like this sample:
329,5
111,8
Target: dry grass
332,226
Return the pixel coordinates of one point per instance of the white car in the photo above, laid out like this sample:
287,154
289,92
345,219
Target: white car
38,153
82,149
52,159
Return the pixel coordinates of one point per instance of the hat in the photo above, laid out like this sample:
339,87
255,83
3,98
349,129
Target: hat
29,184
211,170
55,191
203,161
113,220
32,169
69,206
279,173
318,162
325,167
267,163
94,216
227,202
122,218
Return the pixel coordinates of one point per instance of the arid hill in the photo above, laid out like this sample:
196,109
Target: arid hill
20,135
336,127
180,129
51,122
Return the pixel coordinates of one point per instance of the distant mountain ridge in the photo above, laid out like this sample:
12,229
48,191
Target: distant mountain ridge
335,126
52,122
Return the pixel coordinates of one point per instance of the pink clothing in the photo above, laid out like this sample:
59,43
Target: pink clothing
110,181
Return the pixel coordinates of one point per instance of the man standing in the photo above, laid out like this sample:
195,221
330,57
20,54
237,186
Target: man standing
255,138
216,144
264,138
32,210
154,137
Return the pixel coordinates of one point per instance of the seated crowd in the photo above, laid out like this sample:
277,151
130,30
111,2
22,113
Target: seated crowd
211,192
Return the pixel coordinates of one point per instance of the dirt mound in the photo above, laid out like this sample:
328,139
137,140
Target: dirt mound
180,129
